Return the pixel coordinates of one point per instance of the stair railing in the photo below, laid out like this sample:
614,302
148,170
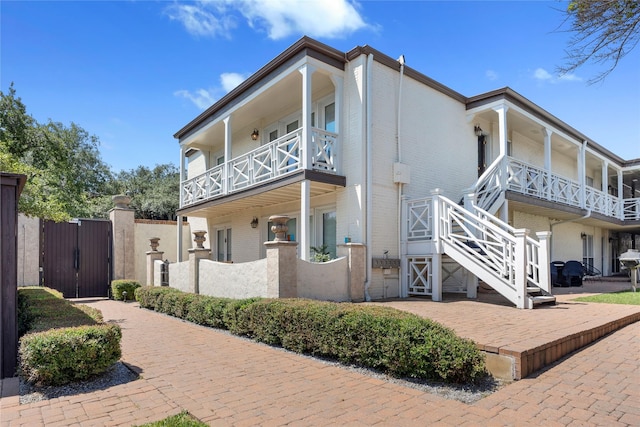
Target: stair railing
504,257
488,189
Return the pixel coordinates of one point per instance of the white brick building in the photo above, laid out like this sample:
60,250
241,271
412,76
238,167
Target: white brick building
346,142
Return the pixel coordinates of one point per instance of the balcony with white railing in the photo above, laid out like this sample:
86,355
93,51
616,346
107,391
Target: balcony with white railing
267,163
514,175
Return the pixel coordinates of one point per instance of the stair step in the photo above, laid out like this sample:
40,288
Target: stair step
543,299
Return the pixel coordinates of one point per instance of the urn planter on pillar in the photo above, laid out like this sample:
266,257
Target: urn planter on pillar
154,243
279,227
199,238
121,201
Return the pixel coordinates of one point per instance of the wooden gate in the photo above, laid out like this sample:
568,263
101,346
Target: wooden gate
76,257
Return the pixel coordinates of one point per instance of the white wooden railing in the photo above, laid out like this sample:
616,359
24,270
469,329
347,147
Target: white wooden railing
504,257
265,163
507,173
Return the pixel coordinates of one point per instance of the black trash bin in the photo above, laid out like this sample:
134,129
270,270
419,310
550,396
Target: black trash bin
557,276
573,272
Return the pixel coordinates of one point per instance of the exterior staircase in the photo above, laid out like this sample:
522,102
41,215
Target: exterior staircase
505,258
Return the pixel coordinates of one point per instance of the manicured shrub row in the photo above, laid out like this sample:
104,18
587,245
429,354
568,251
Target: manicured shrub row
48,310
124,285
26,316
60,356
390,340
64,342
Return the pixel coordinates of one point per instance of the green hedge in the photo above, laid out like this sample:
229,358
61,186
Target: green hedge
62,342
390,340
60,356
124,285
26,316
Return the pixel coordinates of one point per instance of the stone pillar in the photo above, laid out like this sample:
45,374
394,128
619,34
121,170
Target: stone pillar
282,261
123,221
152,256
195,255
282,269
355,253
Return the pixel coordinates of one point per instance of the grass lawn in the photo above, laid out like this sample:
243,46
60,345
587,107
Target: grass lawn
622,297
183,419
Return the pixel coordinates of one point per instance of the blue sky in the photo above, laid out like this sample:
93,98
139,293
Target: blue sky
134,72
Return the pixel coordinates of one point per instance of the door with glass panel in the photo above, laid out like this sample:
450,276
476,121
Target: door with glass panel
223,244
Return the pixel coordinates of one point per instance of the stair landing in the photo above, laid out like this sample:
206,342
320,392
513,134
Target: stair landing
520,342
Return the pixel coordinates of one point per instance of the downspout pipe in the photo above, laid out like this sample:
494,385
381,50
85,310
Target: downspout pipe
399,145
369,177
588,215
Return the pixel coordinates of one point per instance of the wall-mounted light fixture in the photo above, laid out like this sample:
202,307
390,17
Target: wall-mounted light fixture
255,134
254,222
583,236
477,130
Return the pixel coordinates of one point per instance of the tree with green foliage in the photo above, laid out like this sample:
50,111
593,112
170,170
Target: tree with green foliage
605,31
154,192
66,176
62,163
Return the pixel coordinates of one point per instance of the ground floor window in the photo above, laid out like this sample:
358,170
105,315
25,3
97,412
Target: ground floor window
223,244
587,251
326,231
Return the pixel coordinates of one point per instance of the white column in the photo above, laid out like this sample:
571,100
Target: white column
227,155
306,71
436,258
305,208
582,171
605,176
544,260
620,194
520,267
179,218
338,83
547,160
502,128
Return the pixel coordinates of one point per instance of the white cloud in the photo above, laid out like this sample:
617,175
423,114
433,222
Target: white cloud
200,19
230,80
282,18
491,75
570,78
202,98
278,18
543,75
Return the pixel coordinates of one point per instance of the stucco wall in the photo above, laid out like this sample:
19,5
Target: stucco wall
167,232
28,251
325,280
242,280
178,275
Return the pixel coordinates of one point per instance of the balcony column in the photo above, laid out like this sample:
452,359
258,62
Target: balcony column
582,170
306,71
179,217
305,187
227,155
605,176
338,83
502,140
547,160
305,226
620,194
502,128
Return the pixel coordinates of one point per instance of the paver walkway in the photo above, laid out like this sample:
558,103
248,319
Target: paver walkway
224,380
